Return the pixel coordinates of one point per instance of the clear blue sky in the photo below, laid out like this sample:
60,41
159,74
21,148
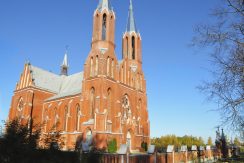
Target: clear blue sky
39,30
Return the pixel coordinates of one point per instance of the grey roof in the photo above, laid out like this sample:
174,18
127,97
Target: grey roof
104,4
71,85
131,25
62,85
45,79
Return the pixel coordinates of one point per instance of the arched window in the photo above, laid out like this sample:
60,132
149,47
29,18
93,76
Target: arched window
92,103
77,119
46,120
104,27
126,107
139,107
91,67
55,119
109,103
66,112
133,48
96,69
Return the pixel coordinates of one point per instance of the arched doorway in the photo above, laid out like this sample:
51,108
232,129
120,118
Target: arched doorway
128,140
89,137
88,140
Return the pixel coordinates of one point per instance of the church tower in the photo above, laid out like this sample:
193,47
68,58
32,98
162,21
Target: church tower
104,24
131,72
132,39
102,59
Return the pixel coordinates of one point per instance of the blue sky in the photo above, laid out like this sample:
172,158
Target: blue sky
39,30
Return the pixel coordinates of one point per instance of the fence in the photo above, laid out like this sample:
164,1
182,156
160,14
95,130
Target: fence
175,157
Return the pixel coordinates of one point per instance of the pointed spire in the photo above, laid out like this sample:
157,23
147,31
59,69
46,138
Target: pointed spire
131,25
65,65
65,61
104,4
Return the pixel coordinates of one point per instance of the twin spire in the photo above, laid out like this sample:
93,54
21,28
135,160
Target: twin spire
131,25
104,4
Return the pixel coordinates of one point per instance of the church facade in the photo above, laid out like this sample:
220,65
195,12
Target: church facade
107,100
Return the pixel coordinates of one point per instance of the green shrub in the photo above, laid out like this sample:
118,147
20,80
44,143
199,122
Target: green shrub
242,149
144,146
112,146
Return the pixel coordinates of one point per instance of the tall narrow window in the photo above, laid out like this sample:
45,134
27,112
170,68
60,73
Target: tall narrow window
92,103
77,121
127,47
104,27
112,69
122,74
91,67
140,82
46,120
108,66
66,112
96,69
125,80
55,119
109,104
133,48
139,108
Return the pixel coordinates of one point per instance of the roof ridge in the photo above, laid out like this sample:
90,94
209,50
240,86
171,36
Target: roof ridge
45,70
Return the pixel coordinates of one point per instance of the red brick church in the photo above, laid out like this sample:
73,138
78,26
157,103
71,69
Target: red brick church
107,100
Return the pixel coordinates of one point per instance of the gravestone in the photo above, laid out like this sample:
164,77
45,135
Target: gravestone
201,148
151,149
208,147
194,148
123,149
183,148
170,149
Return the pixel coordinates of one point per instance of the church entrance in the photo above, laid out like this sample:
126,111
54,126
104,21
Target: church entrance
128,140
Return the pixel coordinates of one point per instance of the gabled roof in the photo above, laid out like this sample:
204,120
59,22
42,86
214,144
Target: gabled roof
45,80
61,85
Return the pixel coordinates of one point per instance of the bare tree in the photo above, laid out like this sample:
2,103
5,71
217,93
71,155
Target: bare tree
225,37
